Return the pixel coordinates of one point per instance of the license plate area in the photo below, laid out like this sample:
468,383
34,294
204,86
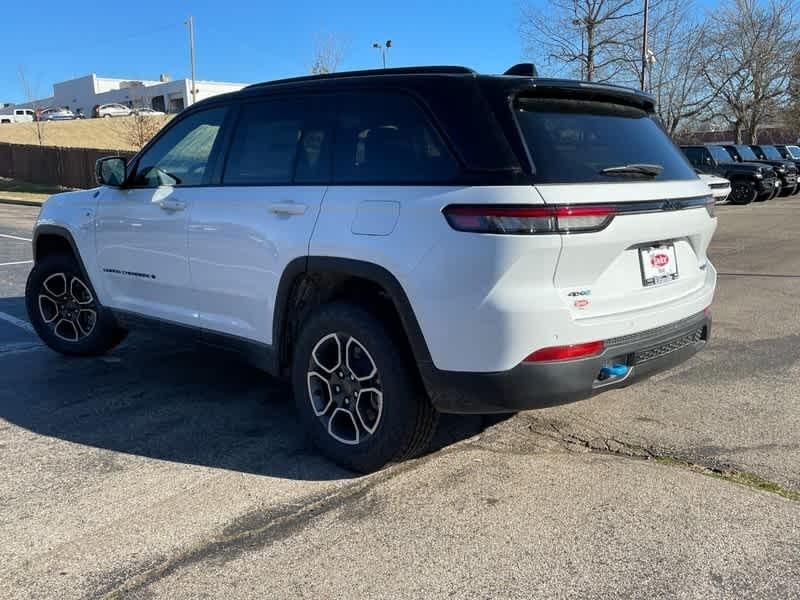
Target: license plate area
659,264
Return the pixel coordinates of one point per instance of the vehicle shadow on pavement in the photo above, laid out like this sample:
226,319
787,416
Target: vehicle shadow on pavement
162,399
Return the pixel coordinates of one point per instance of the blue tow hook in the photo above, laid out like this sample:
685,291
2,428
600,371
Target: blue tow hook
615,371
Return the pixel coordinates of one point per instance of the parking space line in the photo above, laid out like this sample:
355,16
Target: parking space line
15,237
18,322
19,348
19,262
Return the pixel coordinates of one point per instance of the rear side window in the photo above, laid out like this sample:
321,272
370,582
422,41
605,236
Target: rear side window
279,142
572,141
386,139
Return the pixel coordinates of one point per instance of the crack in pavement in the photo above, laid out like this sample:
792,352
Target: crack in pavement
261,528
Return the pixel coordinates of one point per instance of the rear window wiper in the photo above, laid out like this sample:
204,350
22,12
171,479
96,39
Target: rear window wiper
634,169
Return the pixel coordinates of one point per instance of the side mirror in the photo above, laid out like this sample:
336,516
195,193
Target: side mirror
110,171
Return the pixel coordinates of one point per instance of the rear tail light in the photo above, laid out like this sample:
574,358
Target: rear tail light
570,352
488,218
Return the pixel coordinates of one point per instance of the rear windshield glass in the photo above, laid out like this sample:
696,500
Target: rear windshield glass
720,154
573,141
771,152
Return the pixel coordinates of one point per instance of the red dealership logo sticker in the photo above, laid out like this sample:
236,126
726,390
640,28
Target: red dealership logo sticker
659,260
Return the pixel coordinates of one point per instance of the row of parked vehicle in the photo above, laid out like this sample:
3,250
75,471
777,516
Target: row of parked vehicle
755,172
22,115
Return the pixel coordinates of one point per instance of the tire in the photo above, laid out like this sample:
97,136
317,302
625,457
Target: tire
742,192
399,421
786,193
106,116
64,310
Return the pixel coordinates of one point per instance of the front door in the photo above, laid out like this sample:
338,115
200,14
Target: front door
142,228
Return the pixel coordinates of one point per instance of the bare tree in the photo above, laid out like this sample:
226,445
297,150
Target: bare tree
586,37
753,45
329,51
138,129
791,113
30,98
676,77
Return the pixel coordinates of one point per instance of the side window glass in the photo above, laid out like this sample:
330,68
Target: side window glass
180,157
279,142
386,139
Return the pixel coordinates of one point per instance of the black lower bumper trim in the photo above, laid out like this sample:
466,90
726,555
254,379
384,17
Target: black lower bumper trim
538,385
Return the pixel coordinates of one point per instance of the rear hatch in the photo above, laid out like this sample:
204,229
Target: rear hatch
643,220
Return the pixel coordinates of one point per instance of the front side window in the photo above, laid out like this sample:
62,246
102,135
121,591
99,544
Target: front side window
771,152
720,154
386,139
695,156
794,151
181,156
582,141
746,153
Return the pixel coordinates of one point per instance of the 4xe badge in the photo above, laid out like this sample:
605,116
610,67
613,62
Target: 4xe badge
582,301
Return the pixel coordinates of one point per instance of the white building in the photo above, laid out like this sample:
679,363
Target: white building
84,93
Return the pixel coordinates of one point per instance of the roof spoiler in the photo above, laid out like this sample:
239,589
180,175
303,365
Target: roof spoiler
523,70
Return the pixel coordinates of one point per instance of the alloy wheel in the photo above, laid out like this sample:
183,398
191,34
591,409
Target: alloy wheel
68,307
344,388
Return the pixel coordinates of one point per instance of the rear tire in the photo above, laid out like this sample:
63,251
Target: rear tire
64,310
356,393
741,193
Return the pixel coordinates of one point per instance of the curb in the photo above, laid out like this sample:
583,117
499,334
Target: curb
19,202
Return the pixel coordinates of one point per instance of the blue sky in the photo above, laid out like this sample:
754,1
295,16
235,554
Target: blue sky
248,41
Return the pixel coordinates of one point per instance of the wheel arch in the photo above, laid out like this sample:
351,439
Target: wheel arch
55,239
308,282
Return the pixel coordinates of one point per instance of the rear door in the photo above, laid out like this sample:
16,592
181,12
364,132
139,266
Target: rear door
244,232
651,248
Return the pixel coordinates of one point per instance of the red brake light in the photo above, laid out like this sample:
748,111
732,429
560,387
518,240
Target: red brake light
488,218
570,352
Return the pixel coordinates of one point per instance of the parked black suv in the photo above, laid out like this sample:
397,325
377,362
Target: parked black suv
785,169
788,151
749,181
770,152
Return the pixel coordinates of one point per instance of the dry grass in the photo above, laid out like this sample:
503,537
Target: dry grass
21,190
107,134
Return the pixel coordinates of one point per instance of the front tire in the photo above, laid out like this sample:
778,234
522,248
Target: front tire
356,393
742,193
64,310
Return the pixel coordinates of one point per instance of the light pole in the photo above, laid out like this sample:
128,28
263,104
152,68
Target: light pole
579,23
190,23
384,48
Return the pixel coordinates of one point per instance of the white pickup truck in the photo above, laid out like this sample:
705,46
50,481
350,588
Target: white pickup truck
16,115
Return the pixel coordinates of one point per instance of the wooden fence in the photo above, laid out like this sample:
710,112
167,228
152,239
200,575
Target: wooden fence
50,165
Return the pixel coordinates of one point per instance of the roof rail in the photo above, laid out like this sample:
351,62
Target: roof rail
435,70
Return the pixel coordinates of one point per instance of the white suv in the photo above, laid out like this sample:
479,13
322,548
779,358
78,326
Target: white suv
397,243
112,110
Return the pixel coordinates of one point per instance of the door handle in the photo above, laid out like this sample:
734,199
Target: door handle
172,204
288,208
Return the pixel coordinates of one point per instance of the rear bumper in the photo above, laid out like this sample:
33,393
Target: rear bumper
538,385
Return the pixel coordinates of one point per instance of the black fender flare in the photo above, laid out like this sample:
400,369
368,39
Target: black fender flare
349,268
66,235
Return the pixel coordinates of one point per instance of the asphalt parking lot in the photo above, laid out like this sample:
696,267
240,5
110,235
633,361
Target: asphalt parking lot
167,471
